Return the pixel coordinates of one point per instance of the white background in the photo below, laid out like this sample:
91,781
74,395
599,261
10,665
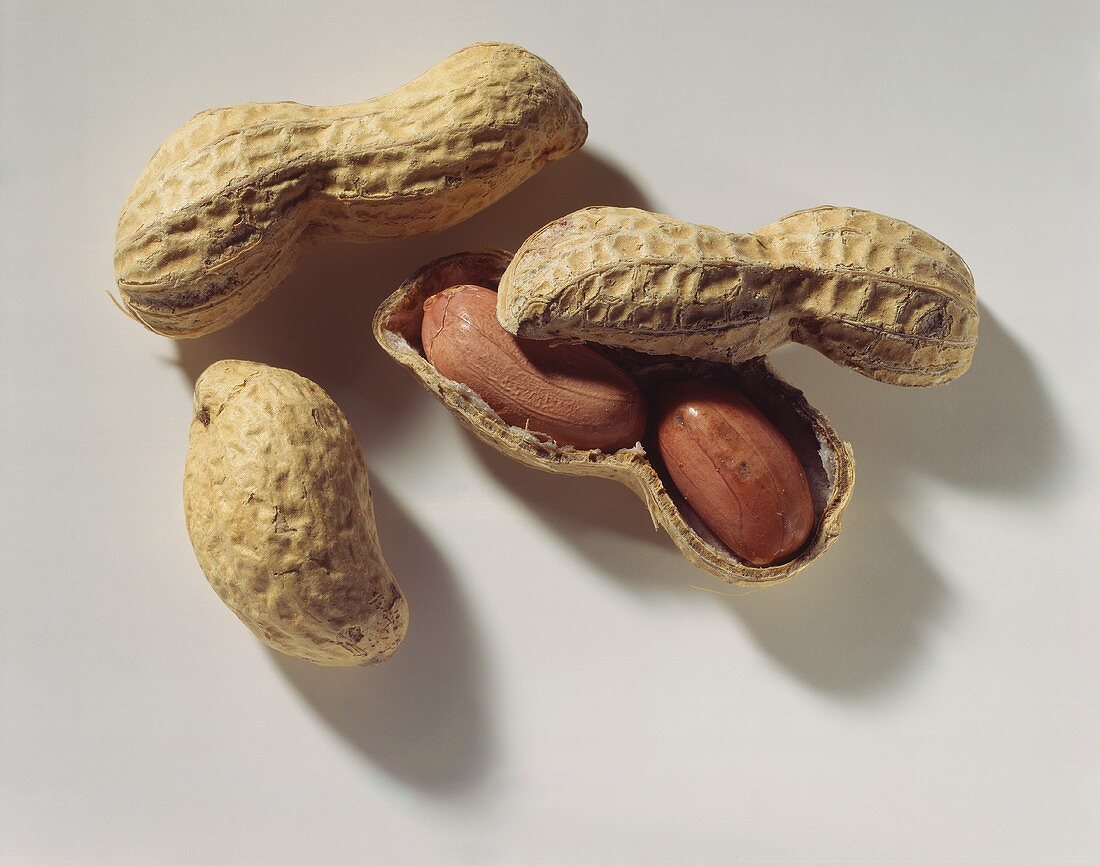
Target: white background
925,693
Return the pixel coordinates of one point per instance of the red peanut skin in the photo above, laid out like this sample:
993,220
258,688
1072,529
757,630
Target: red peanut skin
735,469
568,392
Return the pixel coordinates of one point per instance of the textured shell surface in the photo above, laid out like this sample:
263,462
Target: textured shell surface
826,459
231,200
279,511
870,292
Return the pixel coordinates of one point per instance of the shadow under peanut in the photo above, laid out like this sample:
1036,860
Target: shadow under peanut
422,715
852,624
993,430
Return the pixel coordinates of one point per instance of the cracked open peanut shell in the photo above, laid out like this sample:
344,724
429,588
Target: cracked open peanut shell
826,459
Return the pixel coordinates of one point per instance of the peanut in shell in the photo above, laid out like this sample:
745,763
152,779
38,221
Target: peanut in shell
279,511
231,200
826,459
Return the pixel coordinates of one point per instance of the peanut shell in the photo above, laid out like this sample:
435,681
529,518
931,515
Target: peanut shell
279,510
826,459
868,291
231,200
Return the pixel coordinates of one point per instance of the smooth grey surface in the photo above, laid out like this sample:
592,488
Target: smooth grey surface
571,689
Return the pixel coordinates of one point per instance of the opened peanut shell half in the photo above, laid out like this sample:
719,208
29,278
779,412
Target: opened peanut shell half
870,292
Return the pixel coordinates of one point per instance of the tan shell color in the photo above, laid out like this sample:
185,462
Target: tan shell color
232,199
827,459
870,292
279,510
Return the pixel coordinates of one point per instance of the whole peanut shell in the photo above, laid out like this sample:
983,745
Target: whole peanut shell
870,292
230,201
571,393
279,510
825,458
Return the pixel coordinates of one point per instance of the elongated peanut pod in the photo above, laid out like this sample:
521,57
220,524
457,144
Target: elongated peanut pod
870,292
570,393
279,510
735,469
229,202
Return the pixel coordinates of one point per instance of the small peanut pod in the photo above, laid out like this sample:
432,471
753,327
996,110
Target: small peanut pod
571,393
230,201
870,292
825,459
735,469
278,507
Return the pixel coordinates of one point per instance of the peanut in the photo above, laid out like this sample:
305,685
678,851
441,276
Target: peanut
569,392
735,470
278,507
868,291
232,199
825,459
